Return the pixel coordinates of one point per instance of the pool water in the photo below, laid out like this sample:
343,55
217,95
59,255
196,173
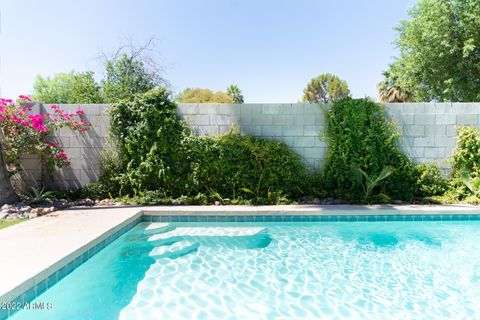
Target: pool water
357,270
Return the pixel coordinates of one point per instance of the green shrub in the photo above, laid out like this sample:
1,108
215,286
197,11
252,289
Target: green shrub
158,158
430,181
360,136
467,153
235,166
465,158
149,136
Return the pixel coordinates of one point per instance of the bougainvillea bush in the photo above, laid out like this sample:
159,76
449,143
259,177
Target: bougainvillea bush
24,132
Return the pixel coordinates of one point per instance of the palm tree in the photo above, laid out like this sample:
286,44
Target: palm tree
389,90
235,93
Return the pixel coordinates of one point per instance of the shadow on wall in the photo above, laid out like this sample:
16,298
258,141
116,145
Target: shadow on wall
83,148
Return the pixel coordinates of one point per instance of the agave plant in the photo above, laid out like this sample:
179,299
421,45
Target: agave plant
369,183
39,196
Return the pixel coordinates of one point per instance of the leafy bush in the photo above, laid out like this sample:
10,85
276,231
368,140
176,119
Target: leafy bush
149,137
95,191
467,153
233,165
157,153
465,158
430,181
360,136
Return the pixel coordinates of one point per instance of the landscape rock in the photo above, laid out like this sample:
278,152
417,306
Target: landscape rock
24,209
84,202
333,201
61,204
38,211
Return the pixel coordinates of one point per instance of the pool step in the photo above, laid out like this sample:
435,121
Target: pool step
175,250
207,232
158,227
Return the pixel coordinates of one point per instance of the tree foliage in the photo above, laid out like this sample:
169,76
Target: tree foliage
440,51
391,90
130,70
325,88
71,87
235,93
199,95
126,76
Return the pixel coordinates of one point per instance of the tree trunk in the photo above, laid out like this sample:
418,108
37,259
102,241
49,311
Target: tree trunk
7,195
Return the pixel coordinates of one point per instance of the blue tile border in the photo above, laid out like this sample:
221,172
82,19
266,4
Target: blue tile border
310,218
53,279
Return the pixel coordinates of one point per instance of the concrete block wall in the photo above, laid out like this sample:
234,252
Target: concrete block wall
298,125
83,149
427,132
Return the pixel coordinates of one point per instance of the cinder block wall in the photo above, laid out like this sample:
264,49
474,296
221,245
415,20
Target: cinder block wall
427,131
298,125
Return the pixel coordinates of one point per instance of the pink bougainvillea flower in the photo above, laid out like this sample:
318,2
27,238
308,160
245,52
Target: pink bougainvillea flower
25,98
17,122
61,155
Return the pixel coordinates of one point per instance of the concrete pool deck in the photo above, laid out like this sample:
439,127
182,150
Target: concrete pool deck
34,250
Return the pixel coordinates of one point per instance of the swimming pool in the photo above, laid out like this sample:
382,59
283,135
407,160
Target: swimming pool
276,270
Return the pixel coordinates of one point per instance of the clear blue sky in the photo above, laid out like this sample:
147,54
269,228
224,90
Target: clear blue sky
270,49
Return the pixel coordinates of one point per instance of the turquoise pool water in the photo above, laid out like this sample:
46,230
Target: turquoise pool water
357,270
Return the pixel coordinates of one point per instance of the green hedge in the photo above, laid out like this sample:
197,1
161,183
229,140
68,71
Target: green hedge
149,137
157,152
360,136
158,159
243,166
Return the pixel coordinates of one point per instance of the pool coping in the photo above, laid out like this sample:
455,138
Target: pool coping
29,285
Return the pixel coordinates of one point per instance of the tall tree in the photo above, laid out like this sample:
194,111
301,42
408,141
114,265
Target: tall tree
440,50
130,70
199,95
235,93
391,89
71,87
325,88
